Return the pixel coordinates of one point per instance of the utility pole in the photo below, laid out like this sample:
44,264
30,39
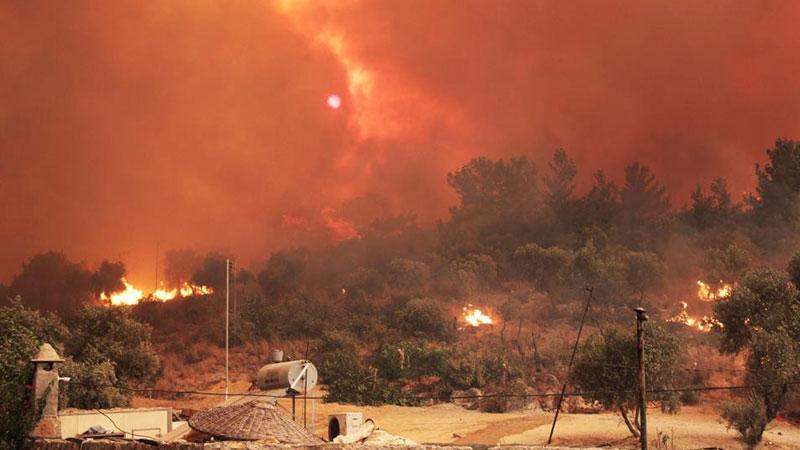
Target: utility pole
227,319
641,317
590,292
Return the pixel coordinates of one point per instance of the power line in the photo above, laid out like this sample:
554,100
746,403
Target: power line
651,391
133,436
191,392
475,396
683,369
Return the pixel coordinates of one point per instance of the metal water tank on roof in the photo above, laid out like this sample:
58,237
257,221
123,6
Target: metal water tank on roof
300,376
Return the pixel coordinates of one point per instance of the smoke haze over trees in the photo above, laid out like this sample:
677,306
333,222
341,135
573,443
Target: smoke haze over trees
512,221
152,118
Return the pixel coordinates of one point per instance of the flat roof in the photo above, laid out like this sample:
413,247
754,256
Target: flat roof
75,411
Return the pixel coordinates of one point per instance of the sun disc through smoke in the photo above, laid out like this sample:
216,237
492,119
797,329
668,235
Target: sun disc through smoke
334,101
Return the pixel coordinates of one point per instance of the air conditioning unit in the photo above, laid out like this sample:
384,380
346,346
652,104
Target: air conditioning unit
344,424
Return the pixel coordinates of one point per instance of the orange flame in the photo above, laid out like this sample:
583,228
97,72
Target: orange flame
704,324
132,296
707,294
475,317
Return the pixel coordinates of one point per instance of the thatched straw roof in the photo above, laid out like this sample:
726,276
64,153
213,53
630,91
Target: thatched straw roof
251,421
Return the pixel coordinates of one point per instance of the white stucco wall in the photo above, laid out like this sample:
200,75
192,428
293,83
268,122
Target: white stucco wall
142,422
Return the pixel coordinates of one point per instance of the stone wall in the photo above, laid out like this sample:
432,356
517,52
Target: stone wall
104,444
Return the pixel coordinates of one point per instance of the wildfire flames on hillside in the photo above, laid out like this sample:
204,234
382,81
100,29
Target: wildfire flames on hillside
704,324
475,317
131,295
705,293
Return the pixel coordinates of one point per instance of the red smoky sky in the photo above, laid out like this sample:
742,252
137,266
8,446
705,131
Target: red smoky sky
206,124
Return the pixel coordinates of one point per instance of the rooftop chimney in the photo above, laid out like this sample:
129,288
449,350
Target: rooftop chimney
45,391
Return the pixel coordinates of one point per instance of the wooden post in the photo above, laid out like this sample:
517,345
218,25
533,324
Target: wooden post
227,319
569,367
641,317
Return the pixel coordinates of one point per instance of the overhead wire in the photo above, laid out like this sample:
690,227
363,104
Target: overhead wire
702,388
114,424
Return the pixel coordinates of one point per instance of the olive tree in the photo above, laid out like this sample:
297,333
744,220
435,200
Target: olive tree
407,275
762,316
425,318
606,369
547,268
100,334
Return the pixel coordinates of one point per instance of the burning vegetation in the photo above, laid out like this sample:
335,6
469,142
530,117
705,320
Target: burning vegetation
131,295
705,293
474,317
708,294
704,324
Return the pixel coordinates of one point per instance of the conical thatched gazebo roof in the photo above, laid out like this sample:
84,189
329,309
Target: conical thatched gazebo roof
251,421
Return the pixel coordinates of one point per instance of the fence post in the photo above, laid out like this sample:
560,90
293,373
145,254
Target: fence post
641,317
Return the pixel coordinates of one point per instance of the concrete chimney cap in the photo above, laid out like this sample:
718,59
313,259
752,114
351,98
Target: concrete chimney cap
47,353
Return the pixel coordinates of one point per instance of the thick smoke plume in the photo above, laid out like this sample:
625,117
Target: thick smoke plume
204,124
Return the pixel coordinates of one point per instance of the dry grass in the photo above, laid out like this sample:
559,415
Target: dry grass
692,428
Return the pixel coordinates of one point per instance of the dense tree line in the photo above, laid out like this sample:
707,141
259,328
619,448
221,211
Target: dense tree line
515,231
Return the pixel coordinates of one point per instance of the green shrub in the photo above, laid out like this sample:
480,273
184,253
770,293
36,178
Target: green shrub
501,367
195,353
350,382
671,404
333,345
101,333
464,370
424,317
348,379
391,361
92,385
410,359
295,315
240,331
691,397
408,275
748,418
605,368
504,397
369,327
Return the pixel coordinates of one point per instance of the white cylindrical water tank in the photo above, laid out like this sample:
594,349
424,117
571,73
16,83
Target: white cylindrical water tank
298,375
